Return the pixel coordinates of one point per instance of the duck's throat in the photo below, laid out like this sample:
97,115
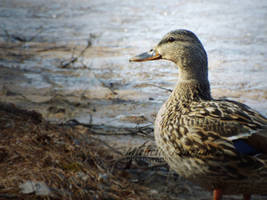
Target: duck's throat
191,90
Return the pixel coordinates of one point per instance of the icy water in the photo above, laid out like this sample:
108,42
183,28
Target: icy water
101,87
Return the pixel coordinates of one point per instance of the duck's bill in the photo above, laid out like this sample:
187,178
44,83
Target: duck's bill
151,55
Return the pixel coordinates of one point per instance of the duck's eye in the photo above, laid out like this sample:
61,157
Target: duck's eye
171,39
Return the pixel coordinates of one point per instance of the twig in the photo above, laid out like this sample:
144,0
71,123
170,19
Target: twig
33,37
74,122
165,165
118,131
73,58
145,130
145,155
7,35
22,39
169,90
110,130
108,86
107,145
53,48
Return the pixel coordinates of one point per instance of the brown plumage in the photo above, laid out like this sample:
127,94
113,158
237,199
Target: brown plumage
220,145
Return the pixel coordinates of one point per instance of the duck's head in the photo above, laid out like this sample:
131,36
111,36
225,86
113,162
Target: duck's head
183,48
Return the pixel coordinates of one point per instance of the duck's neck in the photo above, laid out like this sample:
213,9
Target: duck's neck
190,88
193,83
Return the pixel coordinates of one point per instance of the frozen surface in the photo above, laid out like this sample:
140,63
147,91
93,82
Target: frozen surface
102,86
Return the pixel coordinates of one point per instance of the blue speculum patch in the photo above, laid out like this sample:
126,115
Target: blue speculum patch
244,148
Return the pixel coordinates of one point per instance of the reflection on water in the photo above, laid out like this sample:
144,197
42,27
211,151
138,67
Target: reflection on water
36,37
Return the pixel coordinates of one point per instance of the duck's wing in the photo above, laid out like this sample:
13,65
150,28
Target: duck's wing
232,121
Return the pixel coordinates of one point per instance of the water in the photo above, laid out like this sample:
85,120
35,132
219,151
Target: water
102,87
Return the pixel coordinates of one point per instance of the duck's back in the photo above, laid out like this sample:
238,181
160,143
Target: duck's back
215,143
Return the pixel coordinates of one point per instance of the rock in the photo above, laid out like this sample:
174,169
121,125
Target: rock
39,188
82,175
102,177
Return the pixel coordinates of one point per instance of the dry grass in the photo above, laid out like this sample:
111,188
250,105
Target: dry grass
71,164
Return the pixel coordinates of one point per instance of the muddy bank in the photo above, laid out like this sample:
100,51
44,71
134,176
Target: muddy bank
60,160
72,56
40,160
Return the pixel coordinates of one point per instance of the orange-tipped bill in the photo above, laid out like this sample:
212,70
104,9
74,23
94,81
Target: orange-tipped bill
151,55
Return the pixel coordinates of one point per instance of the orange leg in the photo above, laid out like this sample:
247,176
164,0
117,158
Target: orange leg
217,194
246,196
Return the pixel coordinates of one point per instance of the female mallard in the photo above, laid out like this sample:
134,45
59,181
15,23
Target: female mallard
220,145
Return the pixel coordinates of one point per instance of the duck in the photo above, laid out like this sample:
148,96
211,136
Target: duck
218,144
